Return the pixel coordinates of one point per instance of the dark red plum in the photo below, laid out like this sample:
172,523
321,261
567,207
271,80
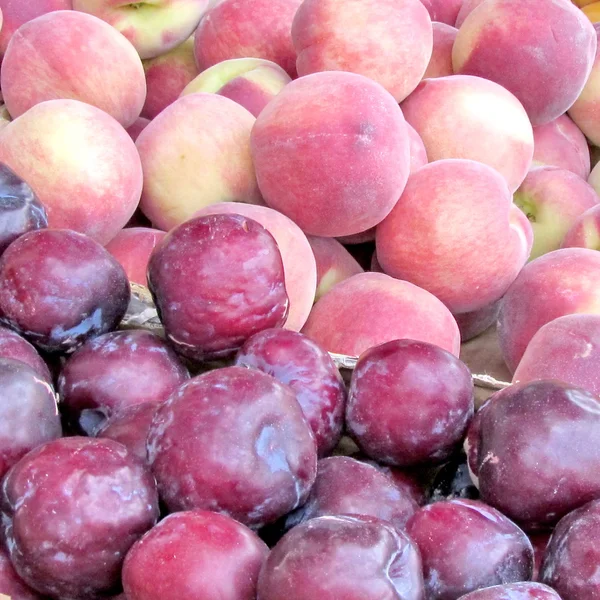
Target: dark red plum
28,412
347,486
234,441
11,584
409,403
349,557
114,371
466,545
216,280
20,209
572,560
58,288
297,361
72,509
514,591
129,426
195,555
534,450
12,345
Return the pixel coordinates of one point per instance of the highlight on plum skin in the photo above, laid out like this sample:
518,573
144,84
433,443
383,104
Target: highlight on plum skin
514,591
14,346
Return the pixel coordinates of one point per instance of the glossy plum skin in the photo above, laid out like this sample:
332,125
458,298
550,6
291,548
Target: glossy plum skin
28,412
216,280
12,345
345,486
234,441
72,509
297,361
349,557
534,449
97,379
409,403
466,545
58,288
572,557
514,591
217,558
11,584
20,209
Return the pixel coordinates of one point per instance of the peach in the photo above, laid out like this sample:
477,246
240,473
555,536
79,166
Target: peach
443,11
418,152
362,237
298,259
255,28
585,111
461,116
390,41
592,12
567,349
474,323
196,153
552,199
66,54
251,82
331,152
154,26
138,126
81,163
440,64
132,248
456,233
496,40
466,9
585,231
15,13
166,77
334,263
559,283
561,143
369,309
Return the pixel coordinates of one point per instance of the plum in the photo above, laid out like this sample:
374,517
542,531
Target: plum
58,288
12,345
216,280
195,555
514,591
466,545
409,403
347,486
28,412
20,209
539,541
297,361
534,450
97,379
349,557
11,585
572,560
72,508
235,441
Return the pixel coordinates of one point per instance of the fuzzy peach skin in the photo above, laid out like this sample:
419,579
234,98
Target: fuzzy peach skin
552,199
166,77
252,28
152,26
474,323
390,41
369,309
67,54
132,248
443,11
466,9
585,231
359,238
567,349
468,117
495,42
418,152
298,259
559,283
334,263
80,162
332,152
196,153
585,112
440,64
456,233
561,143
251,82
138,126
17,12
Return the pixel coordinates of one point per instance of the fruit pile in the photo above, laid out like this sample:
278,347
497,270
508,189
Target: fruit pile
242,246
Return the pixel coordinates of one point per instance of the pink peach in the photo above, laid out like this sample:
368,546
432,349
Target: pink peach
138,126
440,64
418,152
474,323
443,11
468,6
585,231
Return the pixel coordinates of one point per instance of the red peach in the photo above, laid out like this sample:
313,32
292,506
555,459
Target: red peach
466,9
585,231
367,236
440,64
389,41
443,11
369,309
418,152
138,126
